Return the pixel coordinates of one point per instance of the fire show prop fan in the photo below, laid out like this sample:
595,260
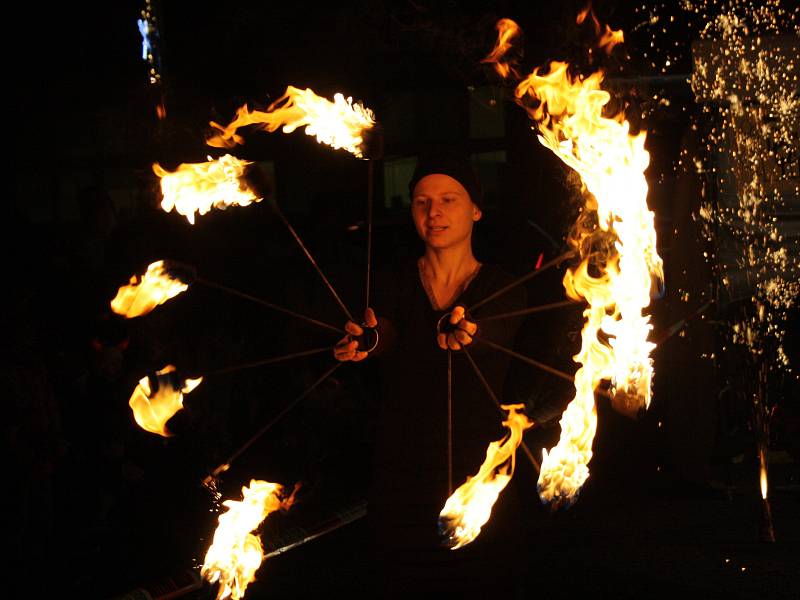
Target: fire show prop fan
470,506
157,398
339,124
615,239
196,188
236,553
162,280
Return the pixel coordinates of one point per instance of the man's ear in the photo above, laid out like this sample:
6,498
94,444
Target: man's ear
477,213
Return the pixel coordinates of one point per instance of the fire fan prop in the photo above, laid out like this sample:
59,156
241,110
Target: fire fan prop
615,237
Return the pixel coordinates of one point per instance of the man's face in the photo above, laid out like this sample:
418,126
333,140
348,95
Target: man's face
443,211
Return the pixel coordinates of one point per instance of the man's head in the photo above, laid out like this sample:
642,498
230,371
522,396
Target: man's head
445,200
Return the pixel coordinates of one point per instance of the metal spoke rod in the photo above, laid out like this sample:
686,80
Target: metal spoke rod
449,423
676,327
340,519
267,361
528,311
228,290
552,263
296,237
534,362
492,395
227,464
370,196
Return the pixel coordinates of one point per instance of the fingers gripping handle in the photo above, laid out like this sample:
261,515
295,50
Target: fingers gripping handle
368,340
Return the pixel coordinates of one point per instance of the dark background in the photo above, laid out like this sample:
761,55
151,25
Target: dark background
98,507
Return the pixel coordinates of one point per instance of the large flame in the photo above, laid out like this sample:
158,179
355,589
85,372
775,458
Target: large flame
236,553
154,405
339,124
618,252
143,294
199,187
470,506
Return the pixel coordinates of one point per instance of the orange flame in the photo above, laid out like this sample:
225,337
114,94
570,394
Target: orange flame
199,187
141,296
338,124
236,554
608,38
762,459
507,31
470,506
611,164
153,407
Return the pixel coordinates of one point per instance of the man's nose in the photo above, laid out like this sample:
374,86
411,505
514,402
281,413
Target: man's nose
434,208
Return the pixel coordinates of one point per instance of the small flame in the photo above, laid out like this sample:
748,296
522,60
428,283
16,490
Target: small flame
607,37
143,294
507,31
339,124
616,240
470,506
762,459
236,554
153,407
199,187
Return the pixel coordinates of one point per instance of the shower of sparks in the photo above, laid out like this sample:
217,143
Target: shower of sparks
745,76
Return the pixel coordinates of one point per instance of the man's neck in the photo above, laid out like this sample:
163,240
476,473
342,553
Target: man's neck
448,266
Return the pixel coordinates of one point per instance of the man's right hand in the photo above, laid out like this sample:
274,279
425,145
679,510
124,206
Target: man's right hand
346,349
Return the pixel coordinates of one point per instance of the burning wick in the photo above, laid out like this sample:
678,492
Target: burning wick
199,187
468,509
156,286
338,124
236,554
156,399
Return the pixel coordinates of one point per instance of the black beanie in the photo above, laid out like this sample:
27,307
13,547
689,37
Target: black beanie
454,165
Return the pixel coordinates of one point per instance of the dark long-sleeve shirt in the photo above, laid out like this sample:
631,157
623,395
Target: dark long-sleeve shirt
410,482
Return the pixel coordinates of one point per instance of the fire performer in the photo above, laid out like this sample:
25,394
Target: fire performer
430,438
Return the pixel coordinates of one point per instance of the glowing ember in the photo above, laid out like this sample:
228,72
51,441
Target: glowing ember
470,506
154,405
199,187
236,553
763,473
143,294
616,239
339,124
